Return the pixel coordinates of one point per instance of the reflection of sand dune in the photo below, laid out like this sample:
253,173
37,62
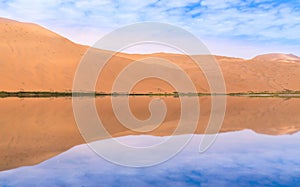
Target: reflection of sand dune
33,58
33,130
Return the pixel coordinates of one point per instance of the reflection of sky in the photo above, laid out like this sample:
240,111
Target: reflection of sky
236,159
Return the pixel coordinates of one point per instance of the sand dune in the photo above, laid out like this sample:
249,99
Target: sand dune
33,58
36,59
276,57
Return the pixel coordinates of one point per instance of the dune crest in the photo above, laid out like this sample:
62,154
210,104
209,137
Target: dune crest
277,57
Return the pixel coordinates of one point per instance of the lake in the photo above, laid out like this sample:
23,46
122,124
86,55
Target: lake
257,145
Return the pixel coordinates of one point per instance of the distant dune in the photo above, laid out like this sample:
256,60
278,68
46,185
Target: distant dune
277,57
36,59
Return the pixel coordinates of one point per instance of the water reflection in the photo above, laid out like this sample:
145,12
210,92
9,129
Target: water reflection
236,159
33,130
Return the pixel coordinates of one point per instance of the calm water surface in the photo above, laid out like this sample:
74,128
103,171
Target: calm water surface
236,159
259,145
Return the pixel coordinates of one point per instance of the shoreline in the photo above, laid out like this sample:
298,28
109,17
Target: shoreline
38,94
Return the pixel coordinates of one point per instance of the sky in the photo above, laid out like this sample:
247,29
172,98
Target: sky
240,28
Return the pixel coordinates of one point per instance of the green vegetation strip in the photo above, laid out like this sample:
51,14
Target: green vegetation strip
21,94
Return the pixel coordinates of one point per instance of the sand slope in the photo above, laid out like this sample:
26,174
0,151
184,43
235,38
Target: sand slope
34,58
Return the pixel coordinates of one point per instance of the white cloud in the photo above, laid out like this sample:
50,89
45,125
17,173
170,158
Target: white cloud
259,20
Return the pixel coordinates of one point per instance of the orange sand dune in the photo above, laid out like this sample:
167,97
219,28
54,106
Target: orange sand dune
35,59
276,57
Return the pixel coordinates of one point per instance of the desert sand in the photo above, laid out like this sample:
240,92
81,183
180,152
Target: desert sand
36,59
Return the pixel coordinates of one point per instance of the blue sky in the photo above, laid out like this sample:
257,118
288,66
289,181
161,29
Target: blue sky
242,28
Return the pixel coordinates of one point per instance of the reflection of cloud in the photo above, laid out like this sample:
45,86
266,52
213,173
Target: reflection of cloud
236,159
236,20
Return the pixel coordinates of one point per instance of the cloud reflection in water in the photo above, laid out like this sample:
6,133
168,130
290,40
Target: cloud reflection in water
236,159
